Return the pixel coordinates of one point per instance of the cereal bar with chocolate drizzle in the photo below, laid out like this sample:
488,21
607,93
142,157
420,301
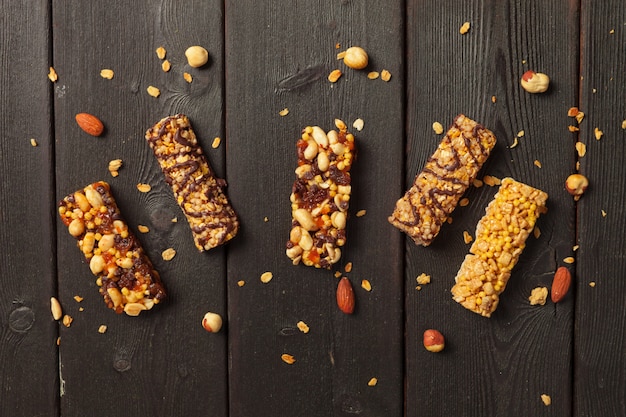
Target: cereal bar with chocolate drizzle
500,238
125,275
320,196
445,178
196,189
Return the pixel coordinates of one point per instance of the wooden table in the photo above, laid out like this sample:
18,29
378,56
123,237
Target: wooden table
265,57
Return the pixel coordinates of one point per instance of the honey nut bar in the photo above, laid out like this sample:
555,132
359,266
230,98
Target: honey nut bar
196,189
500,239
320,196
125,275
445,178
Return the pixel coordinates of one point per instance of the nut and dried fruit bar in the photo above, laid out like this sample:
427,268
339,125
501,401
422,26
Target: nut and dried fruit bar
321,195
500,238
445,178
196,189
125,275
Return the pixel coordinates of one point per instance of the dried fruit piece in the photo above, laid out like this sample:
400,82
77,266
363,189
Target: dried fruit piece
535,82
90,124
560,284
212,322
345,296
434,340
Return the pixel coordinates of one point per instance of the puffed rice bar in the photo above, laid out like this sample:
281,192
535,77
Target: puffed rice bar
196,189
125,275
320,196
500,238
445,178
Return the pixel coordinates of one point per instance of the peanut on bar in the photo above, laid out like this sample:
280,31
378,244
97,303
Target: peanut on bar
320,196
500,238
196,189
445,178
125,275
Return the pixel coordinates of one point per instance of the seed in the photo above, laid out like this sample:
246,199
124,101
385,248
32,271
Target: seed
142,228
303,327
216,142
372,382
284,112
166,65
464,202
168,254
102,329
464,28
144,188
334,76
361,213
385,75
33,142
107,73
373,75
52,75
55,308
569,260
266,277
187,77
438,128
366,285
287,358
197,56
153,91
160,51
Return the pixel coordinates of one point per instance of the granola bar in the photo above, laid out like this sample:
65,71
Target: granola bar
125,275
320,196
196,189
500,238
445,177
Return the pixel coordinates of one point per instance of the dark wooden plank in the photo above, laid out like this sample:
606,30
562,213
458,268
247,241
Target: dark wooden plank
600,357
28,352
278,55
498,366
163,362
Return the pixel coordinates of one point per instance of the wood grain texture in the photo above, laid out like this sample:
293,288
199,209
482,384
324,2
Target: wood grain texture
290,48
600,358
28,356
494,366
160,361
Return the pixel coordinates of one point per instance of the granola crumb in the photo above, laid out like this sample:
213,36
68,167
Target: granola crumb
102,329
241,283
372,382
597,133
361,213
375,74
538,296
168,254
284,112
52,75
358,124
438,128
107,74
266,277
467,238
464,28
423,279
216,142
287,358
546,399
592,284
385,75
303,327
569,260
366,285
33,142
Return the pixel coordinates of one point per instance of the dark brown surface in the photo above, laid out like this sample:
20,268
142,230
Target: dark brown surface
264,57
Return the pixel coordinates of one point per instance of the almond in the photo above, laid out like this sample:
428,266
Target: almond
560,284
434,340
345,296
90,124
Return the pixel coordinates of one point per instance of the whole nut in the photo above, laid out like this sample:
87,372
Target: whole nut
576,184
434,340
212,322
90,124
355,57
345,296
197,56
535,82
560,284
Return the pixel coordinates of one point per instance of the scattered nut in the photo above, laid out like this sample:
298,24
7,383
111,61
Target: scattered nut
287,358
197,56
144,188
303,327
581,148
491,180
89,123
78,298
538,296
373,75
560,284
67,320
546,399
114,167
624,124
107,73
433,340
52,75
598,133
464,202
160,51
355,57
537,163
358,124
168,254
187,77
266,277
535,82
55,307
345,296
573,128
212,322
438,128
576,184
579,117
572,112
464,28
569,260
385,75
153,91
142,228
334,76
216,142
423,279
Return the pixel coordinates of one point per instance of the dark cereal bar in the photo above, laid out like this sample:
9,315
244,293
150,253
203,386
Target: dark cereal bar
320,196
500,238
445,178
196,189
125,275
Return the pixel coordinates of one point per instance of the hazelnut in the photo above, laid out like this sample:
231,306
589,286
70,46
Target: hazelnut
197,56
576,184
212,322
433,340
535,82
355,57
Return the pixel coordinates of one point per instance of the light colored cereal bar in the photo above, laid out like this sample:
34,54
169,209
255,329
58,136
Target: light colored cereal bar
500,238
125,275
196,189
445,177
320,196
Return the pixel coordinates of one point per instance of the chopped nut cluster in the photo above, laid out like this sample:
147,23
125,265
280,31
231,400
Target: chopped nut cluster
500,238
125,275
320,196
